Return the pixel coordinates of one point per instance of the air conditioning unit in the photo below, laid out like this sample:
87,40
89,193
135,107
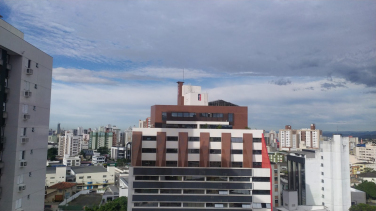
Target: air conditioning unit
26,116
24,140
21,187
27,93
29,71
23,163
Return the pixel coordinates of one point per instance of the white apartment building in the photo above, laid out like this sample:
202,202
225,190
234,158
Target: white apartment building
69,144
118,152
98,159
86,177
321,176
366,152
306,138
25,95
71,160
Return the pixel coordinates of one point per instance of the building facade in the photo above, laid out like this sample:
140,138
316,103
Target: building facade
366,152
306,138
25,95
194,158
69,144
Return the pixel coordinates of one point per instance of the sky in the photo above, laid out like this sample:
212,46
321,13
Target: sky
291,62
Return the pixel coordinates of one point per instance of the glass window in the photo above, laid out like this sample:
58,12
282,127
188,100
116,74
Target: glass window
193,151
146,204
80,177
216,178
261,192
146,190
215,164
149,150
164,116
192,114
237,164
193,138
147,163
193,164
215,139
169,204
219,205
194,178
180,114
172,163
241,192
193,204
88,177
240,179
215,151
257,152
149,138
236,151
171,191
230,117
186,115
256,140
146,178
257,164
172,138
176,178
260,179
193,191
174,114
168,150
237,139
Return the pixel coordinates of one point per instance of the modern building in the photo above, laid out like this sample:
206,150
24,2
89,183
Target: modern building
25,95
69,144
306,138
100,138
199,156
98,159
144,123
276,184
118,152
366,152
321,177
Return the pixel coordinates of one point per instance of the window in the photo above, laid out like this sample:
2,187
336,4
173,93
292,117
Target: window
171,178
218,115
236,151
146,204
237,139
193,138
104,176
52,177
216,179
257,164
149,150
146,178
28,196
322,181
240,192
257,152
171,191
169,204
172,138
32,129
216,205
24,131
147,163
80,177
260,179
29,64
237,164
322,165
36,65
215,151
193,164
322,196
31,151
172,163
240,179
194,178
191,204
22,154
164,116
256,140
149,138
193,191
193,151
88,177
36,86
322,157
261,192
215,164
146,190
168,150
322,173
215,139
29,174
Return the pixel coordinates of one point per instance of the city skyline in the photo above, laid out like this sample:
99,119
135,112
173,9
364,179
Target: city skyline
304,62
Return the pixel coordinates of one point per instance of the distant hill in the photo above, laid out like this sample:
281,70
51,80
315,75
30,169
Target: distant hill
360,134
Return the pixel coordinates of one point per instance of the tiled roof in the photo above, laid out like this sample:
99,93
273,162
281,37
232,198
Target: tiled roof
62,185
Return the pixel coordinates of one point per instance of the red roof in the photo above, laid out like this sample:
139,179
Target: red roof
62,185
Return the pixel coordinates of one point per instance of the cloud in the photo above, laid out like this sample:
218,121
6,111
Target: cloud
326,86
281,82
254,38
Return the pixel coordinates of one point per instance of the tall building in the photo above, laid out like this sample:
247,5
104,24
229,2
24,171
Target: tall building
322,176
199,156
306,138
366,152
69,144
100,138
58,131
25,95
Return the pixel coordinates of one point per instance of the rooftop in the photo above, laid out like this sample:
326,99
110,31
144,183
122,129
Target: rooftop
62,185
355,190
368,174
88,169
87,200
221,103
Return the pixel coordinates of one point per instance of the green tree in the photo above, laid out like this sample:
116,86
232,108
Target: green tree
103,150
121,162
119,204
51,154
362,207
368,187
366,170
83,154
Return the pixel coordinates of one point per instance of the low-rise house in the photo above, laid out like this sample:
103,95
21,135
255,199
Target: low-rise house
60,191
98,159
71,160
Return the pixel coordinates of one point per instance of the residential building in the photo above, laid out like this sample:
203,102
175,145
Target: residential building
321,177
118,152
69,144
71,160
306,138
100,138
366,152
86,177
60,191
84,142
25,95
98,159
276,184
199,156
357,196
144,123
277,157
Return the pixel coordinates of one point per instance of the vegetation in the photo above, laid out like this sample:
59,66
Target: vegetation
121,162
83,154
368,187
51,154
103,150
366,170
362,207
119,204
